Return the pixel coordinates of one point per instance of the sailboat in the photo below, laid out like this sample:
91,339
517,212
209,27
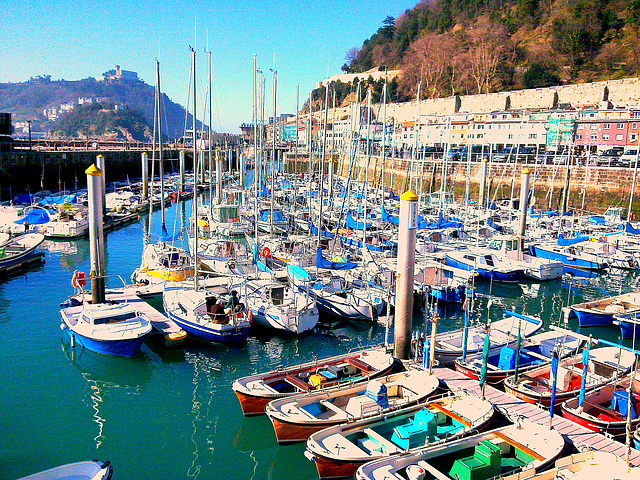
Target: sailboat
193,309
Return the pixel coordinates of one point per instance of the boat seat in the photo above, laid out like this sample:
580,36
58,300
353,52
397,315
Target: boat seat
485,463
296,382
360,365
415,433
388,447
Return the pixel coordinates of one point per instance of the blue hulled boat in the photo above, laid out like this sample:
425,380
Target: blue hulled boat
486,265
602,311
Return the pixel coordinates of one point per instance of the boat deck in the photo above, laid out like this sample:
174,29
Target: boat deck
512,407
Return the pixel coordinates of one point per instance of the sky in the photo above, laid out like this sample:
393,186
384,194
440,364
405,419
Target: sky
304,40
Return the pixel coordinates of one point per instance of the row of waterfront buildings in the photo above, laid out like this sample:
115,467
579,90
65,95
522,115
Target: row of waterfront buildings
595,126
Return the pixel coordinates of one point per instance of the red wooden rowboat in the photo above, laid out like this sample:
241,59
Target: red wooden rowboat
255,391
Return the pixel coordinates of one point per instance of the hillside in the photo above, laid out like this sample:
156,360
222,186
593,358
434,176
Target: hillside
28,100
479,46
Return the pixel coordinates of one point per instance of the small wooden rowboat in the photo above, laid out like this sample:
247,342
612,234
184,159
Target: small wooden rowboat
295,418
255,391
487,455
605,409
605,365
338,451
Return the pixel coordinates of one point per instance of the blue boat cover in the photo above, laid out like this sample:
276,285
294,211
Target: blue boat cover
629,229
494,225
565,242
169,238
36,216
388,217
298,272
597,220
24,199
58,200
351,223
322,262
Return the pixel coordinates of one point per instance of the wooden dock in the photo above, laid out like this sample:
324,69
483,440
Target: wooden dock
21,265
514,408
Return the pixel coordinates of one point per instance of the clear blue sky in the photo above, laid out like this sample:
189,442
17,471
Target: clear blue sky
73,40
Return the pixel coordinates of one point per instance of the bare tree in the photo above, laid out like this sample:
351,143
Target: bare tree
487,47
351,54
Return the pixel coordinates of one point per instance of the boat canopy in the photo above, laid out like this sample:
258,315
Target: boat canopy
629,229
352,223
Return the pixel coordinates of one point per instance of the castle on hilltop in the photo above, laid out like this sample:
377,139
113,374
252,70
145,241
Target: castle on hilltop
117,74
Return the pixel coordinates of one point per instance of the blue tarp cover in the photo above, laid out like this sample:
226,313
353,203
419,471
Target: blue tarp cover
322,262
169,238
351,223
629,229
24,199
565,242
36,216
597,220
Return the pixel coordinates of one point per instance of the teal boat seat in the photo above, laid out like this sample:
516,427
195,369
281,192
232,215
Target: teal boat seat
485,463
415,433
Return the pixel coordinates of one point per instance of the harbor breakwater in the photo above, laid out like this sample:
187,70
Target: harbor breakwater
601,186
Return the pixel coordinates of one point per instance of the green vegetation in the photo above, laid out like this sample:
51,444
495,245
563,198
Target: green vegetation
477,46
103,120
27,100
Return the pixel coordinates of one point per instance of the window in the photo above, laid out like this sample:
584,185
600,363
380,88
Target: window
578,136
606,126
510,136
593,137
633,137
605,136
634,125
620,126
533,135
619,136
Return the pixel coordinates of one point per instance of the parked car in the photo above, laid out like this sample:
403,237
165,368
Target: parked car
628,158
511,154
609,157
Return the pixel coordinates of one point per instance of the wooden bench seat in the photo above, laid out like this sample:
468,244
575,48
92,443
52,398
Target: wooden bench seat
296,382
360,365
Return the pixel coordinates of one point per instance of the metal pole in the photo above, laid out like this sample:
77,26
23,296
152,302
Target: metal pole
96,233
145,176
565,196
404,283
100,163
181,166
483,183
524,197
633,186
218,177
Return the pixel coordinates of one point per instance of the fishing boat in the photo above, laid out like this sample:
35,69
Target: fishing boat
629,323
605,364
487,265
583,466
19,248
255,391
525,445
295,418
88,470
566,251
162,262
279,306
191,309
510,248
70,222
107,328
605,409
601,311
338,451
449,345
534,351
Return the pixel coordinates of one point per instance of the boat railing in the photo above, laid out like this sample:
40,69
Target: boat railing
81,291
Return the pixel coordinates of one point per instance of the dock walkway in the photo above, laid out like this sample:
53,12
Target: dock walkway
512,407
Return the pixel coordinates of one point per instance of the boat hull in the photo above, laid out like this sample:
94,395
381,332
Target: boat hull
612,428
118,348
235,336
588,318
332,468
294,432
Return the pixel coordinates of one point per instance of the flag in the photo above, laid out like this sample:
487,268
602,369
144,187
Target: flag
485,358
554,380
585,365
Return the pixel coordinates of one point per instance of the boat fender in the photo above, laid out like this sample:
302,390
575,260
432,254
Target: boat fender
230,198
232,265
266,253
250,316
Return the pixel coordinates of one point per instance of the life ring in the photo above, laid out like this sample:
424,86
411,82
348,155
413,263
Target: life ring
231,198
266,253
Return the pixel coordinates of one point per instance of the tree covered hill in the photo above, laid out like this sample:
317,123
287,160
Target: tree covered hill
28,100
478,46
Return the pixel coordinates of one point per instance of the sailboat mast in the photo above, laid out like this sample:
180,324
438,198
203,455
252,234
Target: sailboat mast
365,187
273,167
194,205
256,158
161,169
384,134
324,151
210,89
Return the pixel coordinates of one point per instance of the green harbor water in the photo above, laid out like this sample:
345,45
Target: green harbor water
170,413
